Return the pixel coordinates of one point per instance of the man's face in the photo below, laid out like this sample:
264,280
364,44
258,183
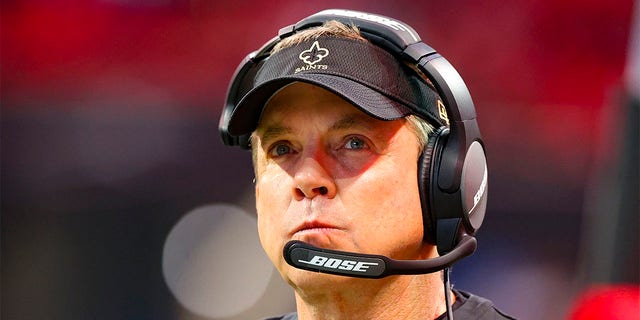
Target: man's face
332,176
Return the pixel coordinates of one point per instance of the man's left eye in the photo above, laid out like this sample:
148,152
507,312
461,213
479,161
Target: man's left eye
355,143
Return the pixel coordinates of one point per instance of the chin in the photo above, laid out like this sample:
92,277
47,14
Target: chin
309,281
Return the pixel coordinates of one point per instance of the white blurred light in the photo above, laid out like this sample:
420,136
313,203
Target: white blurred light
213,263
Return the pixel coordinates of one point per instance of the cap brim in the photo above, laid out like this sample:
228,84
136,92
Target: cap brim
247,114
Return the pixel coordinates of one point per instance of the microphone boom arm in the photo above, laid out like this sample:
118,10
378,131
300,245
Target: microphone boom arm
305,256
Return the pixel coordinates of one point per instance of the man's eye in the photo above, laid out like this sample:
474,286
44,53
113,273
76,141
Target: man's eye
355,143
280,149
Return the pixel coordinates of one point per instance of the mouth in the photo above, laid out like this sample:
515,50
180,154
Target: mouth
314,227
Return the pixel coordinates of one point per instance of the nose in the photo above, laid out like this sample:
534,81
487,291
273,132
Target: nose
312,180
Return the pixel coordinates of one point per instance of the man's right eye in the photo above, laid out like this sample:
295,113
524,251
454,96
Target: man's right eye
280,149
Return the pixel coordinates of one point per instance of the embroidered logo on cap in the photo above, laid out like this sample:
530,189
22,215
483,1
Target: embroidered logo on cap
312,56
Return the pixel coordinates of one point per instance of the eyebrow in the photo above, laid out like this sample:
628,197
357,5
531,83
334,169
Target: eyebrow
274,131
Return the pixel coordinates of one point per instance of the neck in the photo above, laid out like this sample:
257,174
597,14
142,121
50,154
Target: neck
395,297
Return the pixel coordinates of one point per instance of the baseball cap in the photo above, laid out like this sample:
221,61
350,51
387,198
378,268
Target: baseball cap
363,74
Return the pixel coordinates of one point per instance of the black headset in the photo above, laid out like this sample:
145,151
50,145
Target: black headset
452,170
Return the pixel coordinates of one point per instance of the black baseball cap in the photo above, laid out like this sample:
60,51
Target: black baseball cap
363,74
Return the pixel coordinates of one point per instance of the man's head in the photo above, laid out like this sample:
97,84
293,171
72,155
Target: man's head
338,126
335,168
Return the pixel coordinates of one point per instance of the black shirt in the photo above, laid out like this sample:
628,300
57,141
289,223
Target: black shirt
469,306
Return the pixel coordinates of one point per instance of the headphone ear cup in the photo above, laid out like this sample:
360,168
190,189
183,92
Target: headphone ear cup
426,180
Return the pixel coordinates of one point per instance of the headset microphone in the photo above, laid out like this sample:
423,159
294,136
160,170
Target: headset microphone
305,256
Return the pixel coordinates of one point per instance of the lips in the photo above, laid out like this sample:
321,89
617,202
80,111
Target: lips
314,226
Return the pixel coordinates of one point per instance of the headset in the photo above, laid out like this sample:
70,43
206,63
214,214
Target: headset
452,170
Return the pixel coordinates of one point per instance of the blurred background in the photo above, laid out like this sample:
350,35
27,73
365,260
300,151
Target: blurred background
119,200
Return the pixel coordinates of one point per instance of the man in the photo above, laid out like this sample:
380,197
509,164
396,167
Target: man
336,151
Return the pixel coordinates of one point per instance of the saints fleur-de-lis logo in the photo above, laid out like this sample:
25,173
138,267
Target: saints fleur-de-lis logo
314,54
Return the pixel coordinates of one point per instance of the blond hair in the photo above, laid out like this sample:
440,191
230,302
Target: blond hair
331,28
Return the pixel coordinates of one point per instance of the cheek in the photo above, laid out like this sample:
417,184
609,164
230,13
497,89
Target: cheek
266,234
271,201
263,232
395,187
391,205
272,189
265,202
